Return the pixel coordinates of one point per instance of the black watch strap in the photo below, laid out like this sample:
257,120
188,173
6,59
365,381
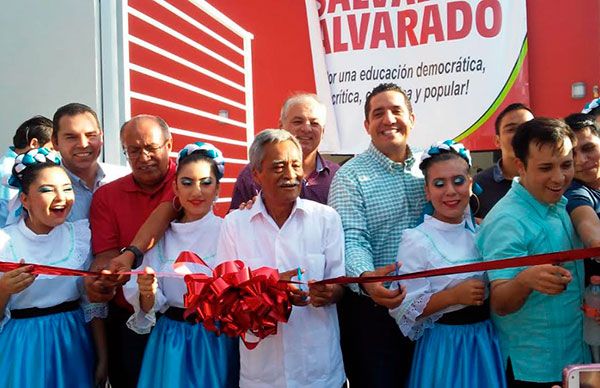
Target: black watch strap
137,253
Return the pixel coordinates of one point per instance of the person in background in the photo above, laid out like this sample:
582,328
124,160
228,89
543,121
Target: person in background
33,133
78,137
495,181
584,192
304,116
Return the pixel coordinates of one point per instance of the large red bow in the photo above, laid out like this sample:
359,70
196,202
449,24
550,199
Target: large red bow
236,300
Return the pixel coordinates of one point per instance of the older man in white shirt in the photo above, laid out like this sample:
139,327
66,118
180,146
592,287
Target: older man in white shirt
286,232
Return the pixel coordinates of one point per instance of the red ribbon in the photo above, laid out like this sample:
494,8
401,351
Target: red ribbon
236,300
544,258
38,269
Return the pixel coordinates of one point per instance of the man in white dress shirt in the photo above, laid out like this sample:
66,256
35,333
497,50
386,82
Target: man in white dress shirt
286,232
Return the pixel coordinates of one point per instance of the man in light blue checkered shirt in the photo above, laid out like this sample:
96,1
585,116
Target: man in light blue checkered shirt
378,194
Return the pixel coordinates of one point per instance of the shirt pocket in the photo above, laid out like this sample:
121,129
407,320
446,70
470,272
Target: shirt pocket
320,344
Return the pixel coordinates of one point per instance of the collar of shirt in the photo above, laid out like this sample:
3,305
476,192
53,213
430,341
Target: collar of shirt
388,163
541,208
321,168
130,185
497,172
259,208
320,164
100,175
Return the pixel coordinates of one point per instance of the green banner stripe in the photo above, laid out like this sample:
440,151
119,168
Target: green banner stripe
500,98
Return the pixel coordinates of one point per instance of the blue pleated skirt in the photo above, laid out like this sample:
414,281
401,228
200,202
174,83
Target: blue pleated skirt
180,354
49,351
458,356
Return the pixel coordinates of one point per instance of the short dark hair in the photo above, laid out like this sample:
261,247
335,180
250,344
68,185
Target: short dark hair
386,88
540,131
37,127
72,109
580,121
512,107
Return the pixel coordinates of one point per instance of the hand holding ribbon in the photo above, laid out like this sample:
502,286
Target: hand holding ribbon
545,278
376,290
148,286
321,295
100,286
298,297
16,280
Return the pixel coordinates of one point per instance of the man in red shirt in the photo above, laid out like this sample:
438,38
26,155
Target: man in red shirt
118,211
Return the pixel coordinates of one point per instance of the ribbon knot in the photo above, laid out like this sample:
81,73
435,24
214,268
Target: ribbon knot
236,300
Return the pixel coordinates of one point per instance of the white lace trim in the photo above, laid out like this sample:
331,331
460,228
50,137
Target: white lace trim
94,310
407,317
141,322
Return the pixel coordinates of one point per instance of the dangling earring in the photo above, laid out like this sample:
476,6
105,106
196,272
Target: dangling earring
478,204
176,204
477,190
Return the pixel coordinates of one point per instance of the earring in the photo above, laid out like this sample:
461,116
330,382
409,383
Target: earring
176,204
477,202
477,190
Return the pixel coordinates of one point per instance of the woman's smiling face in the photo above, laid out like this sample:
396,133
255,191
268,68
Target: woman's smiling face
48,200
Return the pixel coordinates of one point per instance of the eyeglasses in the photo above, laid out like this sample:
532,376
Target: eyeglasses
135,152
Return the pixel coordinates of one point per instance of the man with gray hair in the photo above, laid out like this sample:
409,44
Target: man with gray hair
303,115
295,235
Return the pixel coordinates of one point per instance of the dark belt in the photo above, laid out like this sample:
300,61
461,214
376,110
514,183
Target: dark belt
176,314
33,312
467,315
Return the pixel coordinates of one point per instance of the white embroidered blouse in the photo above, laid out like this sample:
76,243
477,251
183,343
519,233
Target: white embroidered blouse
199,237
67,245
432,244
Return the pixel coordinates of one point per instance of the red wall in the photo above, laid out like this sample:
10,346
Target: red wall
564,47
281,56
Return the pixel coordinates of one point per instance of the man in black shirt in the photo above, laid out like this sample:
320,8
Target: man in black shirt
496,180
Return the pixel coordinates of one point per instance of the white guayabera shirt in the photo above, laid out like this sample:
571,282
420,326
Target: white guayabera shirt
305,352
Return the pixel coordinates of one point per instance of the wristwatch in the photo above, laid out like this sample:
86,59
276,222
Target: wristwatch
137,253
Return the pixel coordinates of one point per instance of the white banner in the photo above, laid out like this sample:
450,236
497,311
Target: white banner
456,60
